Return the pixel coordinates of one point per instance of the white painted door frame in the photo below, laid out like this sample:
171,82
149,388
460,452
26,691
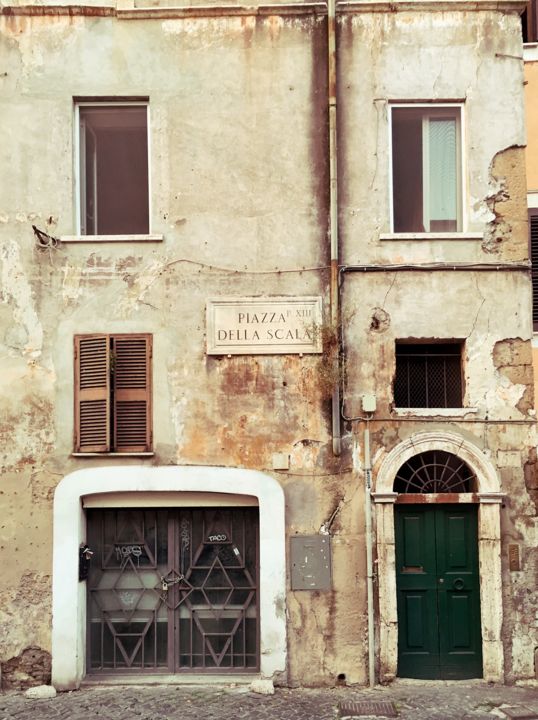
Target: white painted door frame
69,595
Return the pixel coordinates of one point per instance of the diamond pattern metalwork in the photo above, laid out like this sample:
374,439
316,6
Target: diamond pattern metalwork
195,570
173,578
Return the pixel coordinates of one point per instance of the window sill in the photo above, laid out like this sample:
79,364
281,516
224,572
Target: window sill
112,454
433,236
530,52
110,238
433,412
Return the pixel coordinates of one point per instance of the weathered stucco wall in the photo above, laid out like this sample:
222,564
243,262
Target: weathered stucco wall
531,118
481,49
488,310
239,192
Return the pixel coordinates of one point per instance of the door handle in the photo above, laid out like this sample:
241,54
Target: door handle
458,584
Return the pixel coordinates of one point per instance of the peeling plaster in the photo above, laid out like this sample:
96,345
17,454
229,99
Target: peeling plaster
71,289
179,410
507,204
17,291
513,361
21,614
138,287
36,37
230,412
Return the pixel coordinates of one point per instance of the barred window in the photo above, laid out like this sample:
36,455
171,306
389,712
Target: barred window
428,375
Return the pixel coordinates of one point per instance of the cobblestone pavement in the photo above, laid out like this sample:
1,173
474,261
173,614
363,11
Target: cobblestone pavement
412,699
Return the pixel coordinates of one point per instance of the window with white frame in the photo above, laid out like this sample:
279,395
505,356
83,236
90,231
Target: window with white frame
426,169
113,188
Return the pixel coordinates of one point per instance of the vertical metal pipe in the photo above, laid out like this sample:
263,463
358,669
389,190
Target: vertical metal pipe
333,211
369,561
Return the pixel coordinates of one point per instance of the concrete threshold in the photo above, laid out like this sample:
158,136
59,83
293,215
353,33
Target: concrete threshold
228,681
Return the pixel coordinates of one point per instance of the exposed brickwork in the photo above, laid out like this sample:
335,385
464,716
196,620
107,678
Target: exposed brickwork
32,667
513,359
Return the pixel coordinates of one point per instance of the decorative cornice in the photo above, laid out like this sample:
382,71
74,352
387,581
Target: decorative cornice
361,6
384,497
286,9
491,498
56,10
126,10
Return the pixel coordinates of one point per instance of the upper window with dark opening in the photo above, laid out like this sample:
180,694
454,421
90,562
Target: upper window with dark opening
113,169
426,169
428,375
529,24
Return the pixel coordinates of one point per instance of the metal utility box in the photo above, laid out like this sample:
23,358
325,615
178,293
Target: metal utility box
310,562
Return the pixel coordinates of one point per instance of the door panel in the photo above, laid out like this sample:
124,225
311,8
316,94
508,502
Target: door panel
438,595
173,590
459,592
417,591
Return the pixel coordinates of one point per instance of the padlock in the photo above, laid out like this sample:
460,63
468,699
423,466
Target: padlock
164,585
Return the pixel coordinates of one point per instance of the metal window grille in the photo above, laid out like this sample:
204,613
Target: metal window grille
428,376
435,471
173,590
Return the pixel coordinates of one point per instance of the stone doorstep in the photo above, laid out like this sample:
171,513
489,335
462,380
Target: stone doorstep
365,708
519,712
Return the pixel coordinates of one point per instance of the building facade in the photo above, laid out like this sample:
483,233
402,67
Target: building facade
267,401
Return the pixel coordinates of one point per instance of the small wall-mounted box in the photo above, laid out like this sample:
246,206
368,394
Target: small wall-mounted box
281,461
310,562
369,403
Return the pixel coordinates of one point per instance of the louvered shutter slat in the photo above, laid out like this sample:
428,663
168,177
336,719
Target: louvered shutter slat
92,393
132,392
533,222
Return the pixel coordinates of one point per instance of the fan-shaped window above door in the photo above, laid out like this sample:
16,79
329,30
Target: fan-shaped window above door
435,471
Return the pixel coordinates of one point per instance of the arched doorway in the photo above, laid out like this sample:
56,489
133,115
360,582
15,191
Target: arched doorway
175,490
438,593
484,493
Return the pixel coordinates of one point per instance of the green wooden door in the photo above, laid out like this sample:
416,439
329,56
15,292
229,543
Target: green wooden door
438,592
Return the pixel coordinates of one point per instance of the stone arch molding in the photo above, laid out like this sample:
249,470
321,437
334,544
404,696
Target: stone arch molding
487,477
69,595
489,547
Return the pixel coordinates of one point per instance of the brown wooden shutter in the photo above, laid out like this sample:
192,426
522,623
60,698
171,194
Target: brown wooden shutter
131,369
533,231
92,393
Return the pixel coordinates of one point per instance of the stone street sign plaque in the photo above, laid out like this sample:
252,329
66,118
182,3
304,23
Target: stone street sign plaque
263,325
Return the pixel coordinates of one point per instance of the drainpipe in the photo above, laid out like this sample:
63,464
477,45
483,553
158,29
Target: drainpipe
369,561
335,323
333,213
